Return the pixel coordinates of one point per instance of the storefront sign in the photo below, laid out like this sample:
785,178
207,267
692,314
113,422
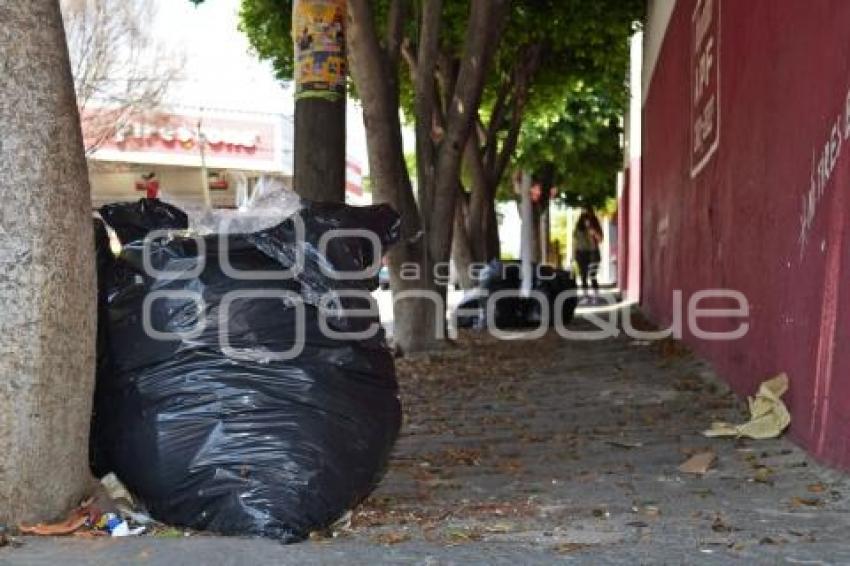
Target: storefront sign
228,140
145,134
705,83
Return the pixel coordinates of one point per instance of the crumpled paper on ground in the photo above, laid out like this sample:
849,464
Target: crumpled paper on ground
768,414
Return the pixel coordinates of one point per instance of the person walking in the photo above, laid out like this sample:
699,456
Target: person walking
586,239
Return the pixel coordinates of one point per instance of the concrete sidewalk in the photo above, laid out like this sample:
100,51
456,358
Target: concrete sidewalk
550,451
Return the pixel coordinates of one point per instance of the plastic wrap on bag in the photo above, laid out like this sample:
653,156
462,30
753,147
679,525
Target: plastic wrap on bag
513,310
219,428
269,204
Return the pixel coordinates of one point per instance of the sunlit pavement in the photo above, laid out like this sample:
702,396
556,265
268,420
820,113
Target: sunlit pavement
549,451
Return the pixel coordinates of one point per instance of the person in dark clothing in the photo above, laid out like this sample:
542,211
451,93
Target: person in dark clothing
586,239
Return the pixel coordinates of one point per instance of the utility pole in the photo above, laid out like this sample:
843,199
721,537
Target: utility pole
527,217
318,29
205,176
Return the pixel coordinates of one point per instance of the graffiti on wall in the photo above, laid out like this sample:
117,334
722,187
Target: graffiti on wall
824,158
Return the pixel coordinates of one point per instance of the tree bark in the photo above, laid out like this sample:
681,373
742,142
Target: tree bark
478,200
425,102
47,278
462,255
493,246
319,145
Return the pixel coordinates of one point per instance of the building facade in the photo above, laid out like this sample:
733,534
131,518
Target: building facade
745,173
182,151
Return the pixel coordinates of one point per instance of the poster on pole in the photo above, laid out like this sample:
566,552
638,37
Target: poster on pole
318,28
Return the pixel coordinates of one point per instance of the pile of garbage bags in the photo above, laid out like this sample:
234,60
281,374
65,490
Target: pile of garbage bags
243,386
498,290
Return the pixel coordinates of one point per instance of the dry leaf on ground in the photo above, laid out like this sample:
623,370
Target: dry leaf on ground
699,463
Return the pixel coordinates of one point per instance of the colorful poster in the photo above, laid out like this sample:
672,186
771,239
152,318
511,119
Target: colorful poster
318,28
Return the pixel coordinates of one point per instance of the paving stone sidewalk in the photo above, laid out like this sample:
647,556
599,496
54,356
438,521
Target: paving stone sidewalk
546,452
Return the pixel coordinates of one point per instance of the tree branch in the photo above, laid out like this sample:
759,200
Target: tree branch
497,118
409,57
379,93
425,100
486,21
395,30
526,68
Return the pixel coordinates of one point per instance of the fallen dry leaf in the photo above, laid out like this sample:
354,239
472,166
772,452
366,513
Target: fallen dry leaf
624,444
569,547
499,528
65,527
76,520
458,536
651,511
720,526
763,475
816,487
805,502
698,463
392,538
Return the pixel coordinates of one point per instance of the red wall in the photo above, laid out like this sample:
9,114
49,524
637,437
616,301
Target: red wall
739,223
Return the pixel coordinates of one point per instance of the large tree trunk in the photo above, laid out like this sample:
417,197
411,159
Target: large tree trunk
493,246
47,279
427,236
376,76
461,248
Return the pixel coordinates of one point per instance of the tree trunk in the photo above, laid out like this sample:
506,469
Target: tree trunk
427,229
487,164
376,78
484,28
319,169
47,278
545,234
479,199
483,230
461,249
493,248
536,236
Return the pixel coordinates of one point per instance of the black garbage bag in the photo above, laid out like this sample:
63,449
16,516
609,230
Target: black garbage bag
134,220
513,311
104,263
213,429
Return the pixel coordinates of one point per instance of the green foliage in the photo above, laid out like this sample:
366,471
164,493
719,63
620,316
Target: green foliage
581,141
577,98
268,26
